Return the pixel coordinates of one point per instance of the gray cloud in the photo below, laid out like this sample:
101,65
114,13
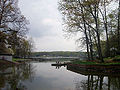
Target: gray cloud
40,30
45,25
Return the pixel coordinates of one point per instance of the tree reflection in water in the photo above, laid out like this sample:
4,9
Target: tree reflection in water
98,83
13,80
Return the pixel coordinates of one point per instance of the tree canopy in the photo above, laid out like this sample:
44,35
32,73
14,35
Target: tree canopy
13,26
97,22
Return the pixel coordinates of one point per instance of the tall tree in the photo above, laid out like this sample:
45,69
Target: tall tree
75,19
118,29
93,19
12,23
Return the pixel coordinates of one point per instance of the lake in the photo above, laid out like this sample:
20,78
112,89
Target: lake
43,76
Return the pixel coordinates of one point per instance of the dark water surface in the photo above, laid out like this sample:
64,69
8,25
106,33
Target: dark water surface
43,76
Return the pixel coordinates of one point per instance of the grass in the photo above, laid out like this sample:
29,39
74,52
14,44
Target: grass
5,64
16,59
94,63
112,59
83,62
108,61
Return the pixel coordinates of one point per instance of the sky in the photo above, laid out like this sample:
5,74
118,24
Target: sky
46,25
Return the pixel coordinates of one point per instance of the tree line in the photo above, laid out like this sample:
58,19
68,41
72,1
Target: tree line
13,29
59,54
98,21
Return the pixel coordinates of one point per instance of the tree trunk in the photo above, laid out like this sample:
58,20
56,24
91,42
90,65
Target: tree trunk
85,32
98,36
101,82
91,44
107,53
118,30
108,83
88,83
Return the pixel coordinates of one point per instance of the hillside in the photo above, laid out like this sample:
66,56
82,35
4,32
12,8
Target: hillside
59,54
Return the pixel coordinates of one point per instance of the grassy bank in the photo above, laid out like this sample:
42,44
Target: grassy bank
94,63
107,61
112,59
5,64
17,59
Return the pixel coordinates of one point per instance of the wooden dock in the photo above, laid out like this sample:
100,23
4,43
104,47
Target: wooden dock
59,64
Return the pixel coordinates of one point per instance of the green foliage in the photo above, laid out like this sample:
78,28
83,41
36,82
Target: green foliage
116,58
98,23
17,59
94,63
84,62
112,59
59,53
13,29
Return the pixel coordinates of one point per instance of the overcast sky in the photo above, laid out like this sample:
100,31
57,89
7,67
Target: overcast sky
46,25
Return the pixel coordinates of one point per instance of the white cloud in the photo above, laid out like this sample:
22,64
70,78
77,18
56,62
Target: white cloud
45,25
51,44
49,21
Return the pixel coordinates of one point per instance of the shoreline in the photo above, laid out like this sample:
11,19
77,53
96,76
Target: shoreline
6,64
113,70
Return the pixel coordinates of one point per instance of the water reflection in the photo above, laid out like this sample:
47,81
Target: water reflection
43,76
58,64
58,67
97,82
14,80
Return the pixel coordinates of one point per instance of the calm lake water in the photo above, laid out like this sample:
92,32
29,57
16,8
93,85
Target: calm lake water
43,76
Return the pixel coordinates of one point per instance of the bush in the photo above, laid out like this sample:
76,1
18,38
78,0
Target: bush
116,58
